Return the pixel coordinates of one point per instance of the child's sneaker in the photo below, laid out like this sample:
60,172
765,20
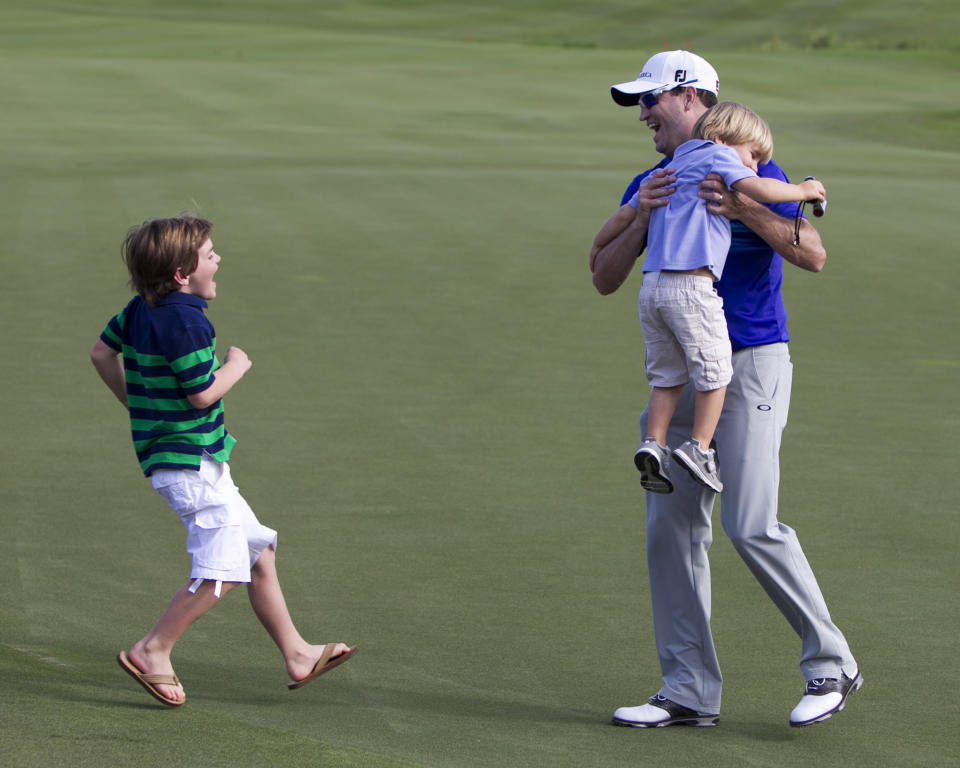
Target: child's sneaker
701,465
650,459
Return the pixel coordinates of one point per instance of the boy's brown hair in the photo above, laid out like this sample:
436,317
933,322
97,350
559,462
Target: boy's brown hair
733,123
156,249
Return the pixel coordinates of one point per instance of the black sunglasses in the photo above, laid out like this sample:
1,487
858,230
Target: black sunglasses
650,99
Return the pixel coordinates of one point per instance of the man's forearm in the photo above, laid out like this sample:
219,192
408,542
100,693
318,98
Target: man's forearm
778,232
612,262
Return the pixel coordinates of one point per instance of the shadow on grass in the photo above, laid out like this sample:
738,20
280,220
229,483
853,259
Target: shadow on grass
510,705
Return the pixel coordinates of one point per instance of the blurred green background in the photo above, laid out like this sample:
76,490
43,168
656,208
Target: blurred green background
442,412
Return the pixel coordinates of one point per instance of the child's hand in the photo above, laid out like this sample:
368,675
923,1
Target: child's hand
238,358
813,191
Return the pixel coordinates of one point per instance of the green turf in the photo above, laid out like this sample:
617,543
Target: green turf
441,412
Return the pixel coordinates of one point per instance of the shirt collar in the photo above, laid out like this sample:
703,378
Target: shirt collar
689,146
178,297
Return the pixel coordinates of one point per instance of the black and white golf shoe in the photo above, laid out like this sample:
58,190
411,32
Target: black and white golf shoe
661,712
824,697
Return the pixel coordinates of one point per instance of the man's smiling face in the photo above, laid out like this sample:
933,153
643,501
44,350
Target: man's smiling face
672,118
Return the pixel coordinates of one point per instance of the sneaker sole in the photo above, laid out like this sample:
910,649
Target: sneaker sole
695,472
857,685
703,721
650,477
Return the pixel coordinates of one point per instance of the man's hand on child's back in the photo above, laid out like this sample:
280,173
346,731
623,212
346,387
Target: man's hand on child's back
655,191
723,200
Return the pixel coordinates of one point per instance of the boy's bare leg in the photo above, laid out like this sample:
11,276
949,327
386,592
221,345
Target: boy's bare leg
266,597
707,408
663,402
151,655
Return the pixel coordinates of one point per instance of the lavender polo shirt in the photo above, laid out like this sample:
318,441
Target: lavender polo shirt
683,235
753,276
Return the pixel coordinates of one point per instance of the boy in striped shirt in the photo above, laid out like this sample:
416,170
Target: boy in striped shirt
158,357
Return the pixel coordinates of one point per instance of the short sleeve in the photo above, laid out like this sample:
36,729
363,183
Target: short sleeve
112,335
726,162
189,347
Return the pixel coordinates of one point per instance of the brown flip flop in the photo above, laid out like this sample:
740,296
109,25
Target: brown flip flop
324,664
149,681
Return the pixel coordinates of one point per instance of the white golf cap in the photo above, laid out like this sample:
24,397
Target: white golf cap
668,70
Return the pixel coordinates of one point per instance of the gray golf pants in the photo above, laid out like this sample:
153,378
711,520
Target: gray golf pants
679,535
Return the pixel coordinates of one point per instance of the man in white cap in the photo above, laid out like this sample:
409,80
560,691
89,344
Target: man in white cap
673,91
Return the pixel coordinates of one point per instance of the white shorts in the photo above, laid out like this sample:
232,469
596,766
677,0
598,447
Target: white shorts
224,537
684,331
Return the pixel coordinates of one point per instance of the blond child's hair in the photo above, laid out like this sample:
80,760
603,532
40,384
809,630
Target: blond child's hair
733,123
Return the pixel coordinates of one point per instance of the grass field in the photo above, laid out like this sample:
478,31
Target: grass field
441,412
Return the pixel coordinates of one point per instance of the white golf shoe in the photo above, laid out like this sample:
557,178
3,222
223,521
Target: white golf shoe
660,712
823,697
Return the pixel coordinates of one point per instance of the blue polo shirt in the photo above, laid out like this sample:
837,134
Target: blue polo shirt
752,276
169,352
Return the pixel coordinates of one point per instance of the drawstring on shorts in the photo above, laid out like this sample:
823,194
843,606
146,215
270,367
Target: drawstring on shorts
196,585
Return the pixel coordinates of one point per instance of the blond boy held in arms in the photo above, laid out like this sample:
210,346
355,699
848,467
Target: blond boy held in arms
680,312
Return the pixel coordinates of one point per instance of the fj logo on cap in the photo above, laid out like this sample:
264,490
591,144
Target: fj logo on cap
680,75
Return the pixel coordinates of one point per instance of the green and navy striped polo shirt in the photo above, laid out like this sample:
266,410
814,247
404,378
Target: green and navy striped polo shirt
169,352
